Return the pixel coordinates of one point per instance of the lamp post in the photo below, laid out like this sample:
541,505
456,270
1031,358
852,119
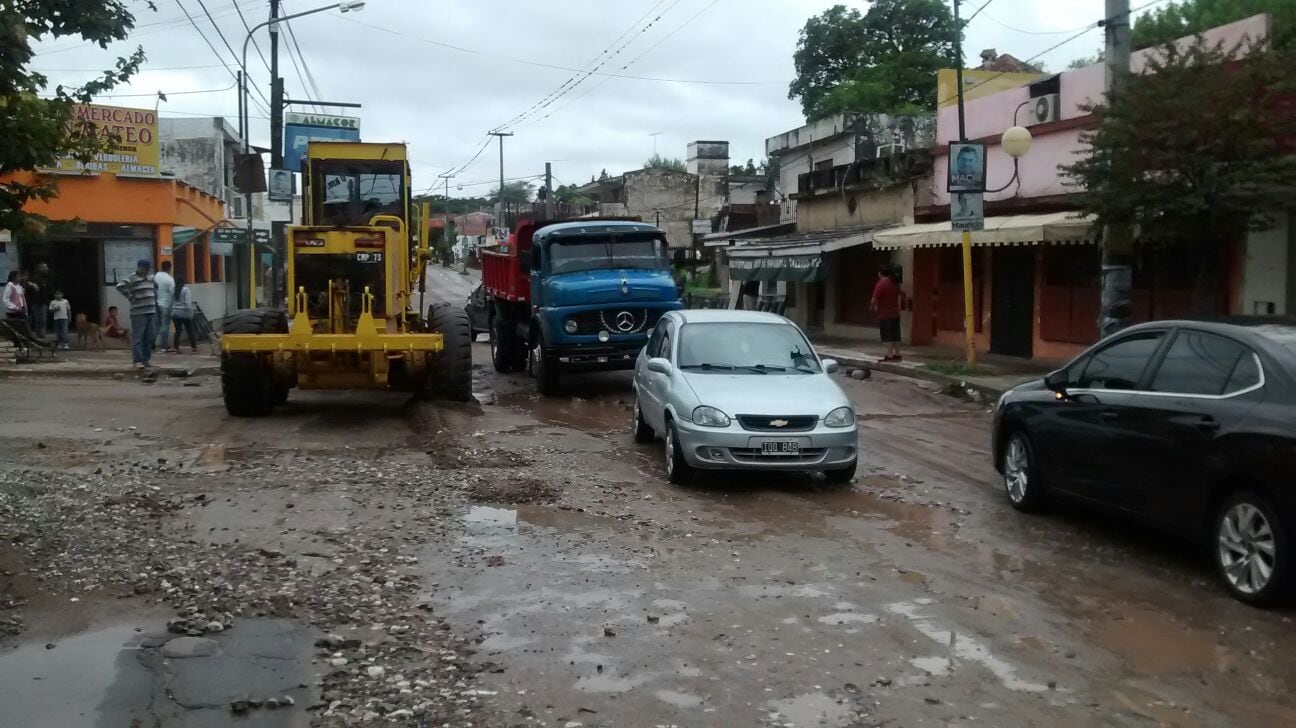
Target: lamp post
245,121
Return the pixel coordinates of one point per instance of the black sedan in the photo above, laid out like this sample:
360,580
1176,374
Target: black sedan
1189,426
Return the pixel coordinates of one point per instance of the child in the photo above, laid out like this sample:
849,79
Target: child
112,327
62,312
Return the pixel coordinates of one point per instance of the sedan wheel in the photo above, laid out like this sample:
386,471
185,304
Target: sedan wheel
642,432
1021,481
677,468
1250,548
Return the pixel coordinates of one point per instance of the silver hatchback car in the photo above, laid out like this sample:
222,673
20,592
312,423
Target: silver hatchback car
741,390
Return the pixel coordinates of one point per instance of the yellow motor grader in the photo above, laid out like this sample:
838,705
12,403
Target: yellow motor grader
357,316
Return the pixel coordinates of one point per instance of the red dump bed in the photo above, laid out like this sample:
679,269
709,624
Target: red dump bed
501,274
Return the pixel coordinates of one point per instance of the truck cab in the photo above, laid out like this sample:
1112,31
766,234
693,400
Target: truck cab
583,295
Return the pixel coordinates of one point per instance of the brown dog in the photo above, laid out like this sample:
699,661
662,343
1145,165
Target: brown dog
88,332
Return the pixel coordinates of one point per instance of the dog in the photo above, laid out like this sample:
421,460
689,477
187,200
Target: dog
88,332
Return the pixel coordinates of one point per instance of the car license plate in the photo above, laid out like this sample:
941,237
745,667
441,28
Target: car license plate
780,447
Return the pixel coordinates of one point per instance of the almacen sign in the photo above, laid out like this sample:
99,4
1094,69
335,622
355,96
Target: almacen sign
135,151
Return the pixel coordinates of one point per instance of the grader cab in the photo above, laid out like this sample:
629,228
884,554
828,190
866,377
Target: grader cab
357,315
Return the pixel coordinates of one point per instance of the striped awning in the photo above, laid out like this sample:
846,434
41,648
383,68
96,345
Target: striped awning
1057,227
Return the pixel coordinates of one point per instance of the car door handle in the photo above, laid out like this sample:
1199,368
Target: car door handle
1109,414
1208,424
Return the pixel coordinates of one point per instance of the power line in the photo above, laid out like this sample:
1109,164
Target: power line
300,77
977,12
237,58
230,87
248,28
157,26
292,35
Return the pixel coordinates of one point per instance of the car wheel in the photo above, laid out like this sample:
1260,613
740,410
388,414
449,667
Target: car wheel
1021,474
642,432
503,339
1251,551
842,476
677,468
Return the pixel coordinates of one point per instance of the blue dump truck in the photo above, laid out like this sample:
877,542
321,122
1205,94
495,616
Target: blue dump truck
575,295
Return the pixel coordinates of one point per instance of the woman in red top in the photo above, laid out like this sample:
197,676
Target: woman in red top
886,302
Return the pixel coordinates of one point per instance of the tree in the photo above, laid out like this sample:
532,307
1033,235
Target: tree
514,192
1195,152
884,60
568,194
657,161
1190,17
35,132
1086,61
749,169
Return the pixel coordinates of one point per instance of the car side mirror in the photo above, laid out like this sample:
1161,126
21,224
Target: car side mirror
1057,381
659,365
830,365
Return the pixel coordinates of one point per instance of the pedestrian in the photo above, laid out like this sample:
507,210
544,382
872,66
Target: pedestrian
112,325
141,292
886,303
38,299
750,291
182,311
62,312
166,288
15,296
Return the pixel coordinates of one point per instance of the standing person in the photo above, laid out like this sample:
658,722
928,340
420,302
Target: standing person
141,292
166,288
15,296
750,291
38,299
62,311
182,311
886,302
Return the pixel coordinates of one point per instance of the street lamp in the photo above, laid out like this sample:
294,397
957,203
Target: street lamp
1016,142
245,118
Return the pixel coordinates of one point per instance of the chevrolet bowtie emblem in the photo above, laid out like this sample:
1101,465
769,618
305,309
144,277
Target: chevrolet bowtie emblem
778,423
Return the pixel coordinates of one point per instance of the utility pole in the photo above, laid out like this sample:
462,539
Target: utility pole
445,230
549,201
276,149
1118,243
500,135
969,311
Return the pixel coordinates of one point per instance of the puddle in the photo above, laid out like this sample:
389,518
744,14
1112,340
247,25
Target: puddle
118,676
812,709
597,415
841,618
964,647
1153,644
491,516
932,665
607,683
678,699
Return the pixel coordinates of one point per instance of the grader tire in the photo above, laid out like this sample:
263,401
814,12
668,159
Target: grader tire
247,384
449,372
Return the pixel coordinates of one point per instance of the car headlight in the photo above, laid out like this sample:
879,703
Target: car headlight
710,417
571,326
840,417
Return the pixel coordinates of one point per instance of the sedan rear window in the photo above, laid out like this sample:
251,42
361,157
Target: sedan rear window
1204,364
745,348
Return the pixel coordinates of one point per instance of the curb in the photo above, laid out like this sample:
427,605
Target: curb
38,372
988,391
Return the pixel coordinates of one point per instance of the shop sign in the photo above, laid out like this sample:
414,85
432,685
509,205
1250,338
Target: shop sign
132,135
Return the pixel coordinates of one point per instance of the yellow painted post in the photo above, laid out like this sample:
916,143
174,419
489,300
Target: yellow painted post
969,314
252,266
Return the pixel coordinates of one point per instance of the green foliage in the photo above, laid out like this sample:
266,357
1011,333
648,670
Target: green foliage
454,205
519,191
1191,17
657,161
1086,61
884,60
568,194
1196,151
751,168
35,131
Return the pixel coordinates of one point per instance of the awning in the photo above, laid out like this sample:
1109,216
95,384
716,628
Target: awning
1057,227
183,235
793,268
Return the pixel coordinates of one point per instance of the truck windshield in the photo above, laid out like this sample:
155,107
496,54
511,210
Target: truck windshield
351,193
617,252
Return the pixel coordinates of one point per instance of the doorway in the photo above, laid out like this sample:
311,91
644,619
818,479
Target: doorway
73,269
1012,313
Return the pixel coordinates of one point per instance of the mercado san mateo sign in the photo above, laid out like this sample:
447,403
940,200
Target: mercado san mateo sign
299,129
132,135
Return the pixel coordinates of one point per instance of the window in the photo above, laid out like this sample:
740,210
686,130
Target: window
1199,363
1245,375
636,252
667,335
655,341
746,346
1120,365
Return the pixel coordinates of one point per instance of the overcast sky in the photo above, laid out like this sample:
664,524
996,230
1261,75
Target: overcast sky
395,58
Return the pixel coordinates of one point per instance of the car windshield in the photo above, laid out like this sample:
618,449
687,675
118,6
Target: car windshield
608,252
746,348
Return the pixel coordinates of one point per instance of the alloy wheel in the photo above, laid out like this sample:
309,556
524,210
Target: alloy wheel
1016,469
670,451
1247,548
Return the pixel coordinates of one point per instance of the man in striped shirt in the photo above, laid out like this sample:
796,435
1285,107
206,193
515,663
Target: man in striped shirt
141,292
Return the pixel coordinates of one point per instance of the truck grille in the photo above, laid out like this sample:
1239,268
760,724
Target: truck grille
767,423
616,320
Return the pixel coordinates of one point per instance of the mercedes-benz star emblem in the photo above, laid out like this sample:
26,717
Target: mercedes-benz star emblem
625,321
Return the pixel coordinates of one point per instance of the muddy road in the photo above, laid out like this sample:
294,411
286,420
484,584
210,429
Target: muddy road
522,562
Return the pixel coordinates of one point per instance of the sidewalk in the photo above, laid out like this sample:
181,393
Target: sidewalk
993,376
115,362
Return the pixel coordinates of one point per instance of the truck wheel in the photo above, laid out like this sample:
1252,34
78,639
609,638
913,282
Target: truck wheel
247,383
449,372
544,368
503,344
